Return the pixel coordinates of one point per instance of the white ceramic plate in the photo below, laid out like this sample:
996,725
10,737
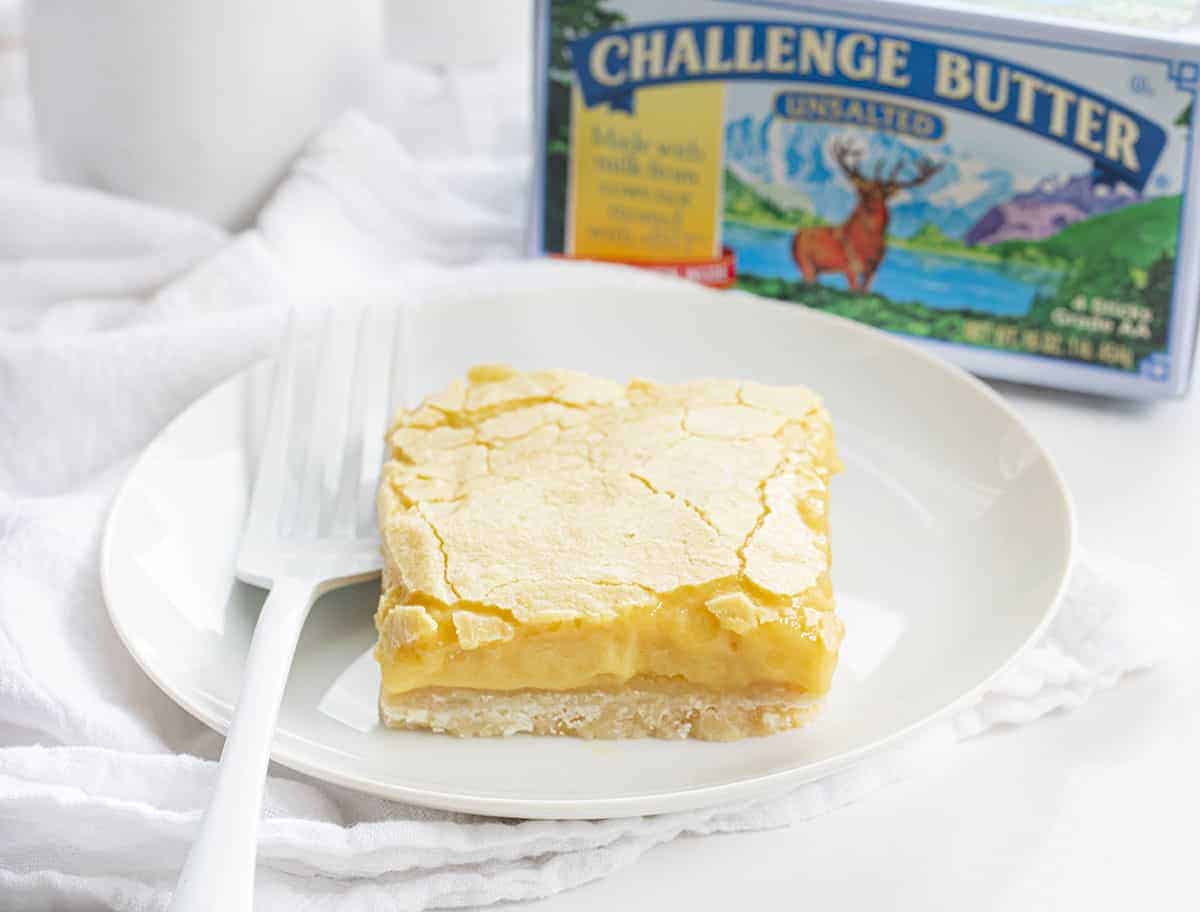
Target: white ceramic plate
952,540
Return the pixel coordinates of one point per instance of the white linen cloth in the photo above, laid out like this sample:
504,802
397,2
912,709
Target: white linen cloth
113,316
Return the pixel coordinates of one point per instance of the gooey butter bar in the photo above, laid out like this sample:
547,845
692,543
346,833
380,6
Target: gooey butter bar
569,555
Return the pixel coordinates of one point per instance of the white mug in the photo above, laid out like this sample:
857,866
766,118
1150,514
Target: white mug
192,104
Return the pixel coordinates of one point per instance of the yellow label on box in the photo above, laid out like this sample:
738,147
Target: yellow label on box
647,185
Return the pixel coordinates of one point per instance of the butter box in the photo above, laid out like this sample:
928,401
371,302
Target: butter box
1014,193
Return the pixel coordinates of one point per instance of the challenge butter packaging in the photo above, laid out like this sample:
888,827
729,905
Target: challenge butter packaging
1012,193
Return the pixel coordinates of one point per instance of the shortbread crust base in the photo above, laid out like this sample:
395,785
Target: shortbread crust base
639,709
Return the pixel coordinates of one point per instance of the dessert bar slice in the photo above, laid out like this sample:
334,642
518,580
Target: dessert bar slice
572,555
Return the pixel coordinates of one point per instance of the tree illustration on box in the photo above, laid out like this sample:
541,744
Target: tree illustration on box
569,19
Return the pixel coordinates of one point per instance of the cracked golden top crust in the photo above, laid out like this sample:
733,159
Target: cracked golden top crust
537,498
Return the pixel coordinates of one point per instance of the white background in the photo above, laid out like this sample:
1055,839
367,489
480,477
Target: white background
1091,810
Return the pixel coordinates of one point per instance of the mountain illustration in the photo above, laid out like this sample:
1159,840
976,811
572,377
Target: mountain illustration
784,196
1047,209
790,164
746,202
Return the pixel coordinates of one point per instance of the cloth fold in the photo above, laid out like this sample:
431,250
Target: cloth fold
334,849
116,316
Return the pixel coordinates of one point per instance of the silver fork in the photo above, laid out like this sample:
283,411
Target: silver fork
310,529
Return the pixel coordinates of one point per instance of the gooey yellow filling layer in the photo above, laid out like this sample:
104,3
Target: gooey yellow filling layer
556,531
713,635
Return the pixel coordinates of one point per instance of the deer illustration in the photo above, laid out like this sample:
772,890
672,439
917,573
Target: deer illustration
856,247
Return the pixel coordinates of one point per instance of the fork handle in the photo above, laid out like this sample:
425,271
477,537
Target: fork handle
219,871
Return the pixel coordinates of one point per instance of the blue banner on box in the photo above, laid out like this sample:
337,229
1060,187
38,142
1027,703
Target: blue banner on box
611,66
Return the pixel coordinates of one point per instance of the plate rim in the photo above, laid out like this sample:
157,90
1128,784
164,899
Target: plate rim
683,799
